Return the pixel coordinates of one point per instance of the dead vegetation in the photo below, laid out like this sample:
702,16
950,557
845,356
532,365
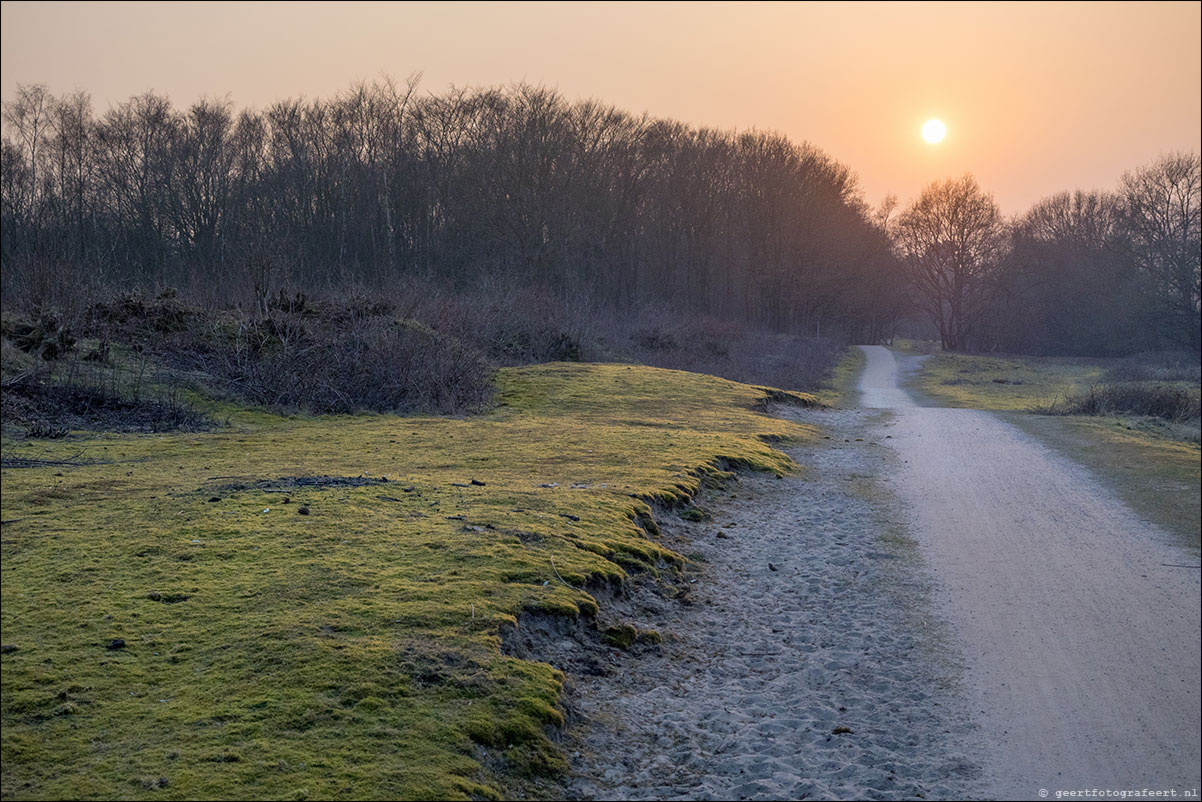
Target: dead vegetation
1144,399
137,362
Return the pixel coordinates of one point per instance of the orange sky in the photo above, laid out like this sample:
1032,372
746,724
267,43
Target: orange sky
1037,97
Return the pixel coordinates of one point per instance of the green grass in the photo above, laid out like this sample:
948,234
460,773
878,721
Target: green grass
354,651
914,347
1153,466
843,389
1004,383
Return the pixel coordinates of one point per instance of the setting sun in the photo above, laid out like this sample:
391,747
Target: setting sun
933,131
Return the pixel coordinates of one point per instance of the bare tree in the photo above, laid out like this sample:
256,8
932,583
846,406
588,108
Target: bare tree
951,240
30,116
515,187
1068,283
1162,215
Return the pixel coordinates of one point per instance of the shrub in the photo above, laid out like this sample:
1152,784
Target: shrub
374,364
1167,402
510,326
707,345
43,335
51,405
1160,366
132,313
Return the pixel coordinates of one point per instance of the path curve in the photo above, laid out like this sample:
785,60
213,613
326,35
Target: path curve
1078,623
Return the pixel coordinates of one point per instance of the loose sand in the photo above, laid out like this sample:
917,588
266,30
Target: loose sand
756,673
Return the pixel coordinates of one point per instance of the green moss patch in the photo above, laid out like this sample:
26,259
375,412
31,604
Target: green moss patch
353,651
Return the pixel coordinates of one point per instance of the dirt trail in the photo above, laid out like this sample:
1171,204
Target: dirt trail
1078,622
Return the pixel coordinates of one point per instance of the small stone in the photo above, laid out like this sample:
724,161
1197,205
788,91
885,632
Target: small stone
771,567
302,509
841,730
478,483
8,648
214,498
114,644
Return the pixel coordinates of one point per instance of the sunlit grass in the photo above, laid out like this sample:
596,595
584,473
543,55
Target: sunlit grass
1004,383
353,651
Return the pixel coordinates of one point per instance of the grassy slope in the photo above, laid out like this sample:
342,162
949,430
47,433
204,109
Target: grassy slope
1156,474
353,651
843,390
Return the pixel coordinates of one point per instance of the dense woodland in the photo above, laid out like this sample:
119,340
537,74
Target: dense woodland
382,184
481,191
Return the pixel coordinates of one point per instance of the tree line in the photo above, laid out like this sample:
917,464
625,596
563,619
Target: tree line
383,184
517,186
1085,273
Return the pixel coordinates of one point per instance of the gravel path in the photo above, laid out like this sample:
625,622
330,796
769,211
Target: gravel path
1078,621
939,607
808,664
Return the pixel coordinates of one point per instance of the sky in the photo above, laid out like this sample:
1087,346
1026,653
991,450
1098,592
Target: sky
1038,98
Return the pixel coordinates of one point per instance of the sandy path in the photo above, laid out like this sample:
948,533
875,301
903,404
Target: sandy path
757,671
1079,630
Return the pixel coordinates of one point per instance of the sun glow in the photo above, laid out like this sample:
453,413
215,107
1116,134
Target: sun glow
933,131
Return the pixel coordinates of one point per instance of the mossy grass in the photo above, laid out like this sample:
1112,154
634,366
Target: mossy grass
1004,383
842,388
354,651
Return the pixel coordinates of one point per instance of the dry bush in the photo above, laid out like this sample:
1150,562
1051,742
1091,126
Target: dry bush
509,325
49,400
1167,402
43,334
375,363
720,348
1160,366
342,354
134,314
